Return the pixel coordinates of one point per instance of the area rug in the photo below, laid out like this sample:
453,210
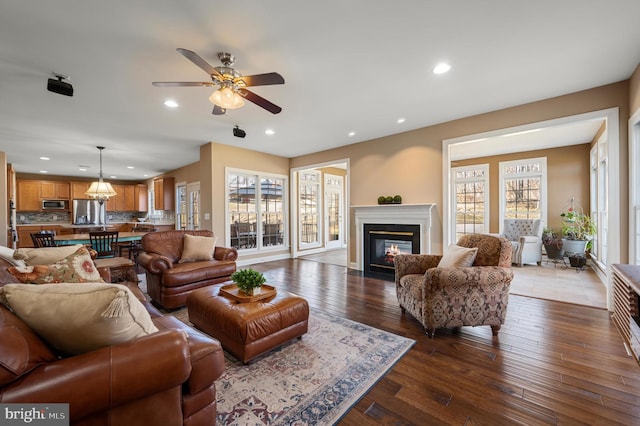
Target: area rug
310,381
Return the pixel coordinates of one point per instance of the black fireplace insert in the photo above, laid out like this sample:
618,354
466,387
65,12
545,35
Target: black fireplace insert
382,242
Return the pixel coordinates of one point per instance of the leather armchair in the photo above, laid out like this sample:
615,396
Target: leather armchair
165,378
526,240
169,282
457,296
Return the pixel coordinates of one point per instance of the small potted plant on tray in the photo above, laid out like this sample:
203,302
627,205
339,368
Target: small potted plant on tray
248,281
552,242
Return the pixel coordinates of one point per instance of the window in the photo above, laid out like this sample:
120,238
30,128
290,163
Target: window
309,193
471,184
256,210
523,189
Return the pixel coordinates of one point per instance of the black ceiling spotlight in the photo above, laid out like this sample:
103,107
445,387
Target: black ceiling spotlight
59,86
238,132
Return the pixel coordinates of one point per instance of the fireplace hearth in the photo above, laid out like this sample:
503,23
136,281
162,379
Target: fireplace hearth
382,242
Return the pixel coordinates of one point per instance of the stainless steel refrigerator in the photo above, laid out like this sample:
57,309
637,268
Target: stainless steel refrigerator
88,212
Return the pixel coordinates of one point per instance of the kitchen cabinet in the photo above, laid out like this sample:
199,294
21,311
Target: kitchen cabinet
163,193
141,198
124,201
55,190
79,189
29,198
24,232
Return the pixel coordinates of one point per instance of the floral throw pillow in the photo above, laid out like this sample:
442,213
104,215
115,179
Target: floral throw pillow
77,267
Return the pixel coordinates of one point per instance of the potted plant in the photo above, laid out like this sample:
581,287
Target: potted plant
553,245
248,281
578,229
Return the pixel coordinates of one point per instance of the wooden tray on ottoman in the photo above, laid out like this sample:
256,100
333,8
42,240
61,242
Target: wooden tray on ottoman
234,293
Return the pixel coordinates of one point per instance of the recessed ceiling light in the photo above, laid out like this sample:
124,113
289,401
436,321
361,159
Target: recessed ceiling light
130,167
270,132
113,177
145,175
171,103
45,158
82,169
43,171
401,120
352,133
441,68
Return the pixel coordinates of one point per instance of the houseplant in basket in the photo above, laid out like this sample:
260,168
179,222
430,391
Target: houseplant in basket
248,281
553,245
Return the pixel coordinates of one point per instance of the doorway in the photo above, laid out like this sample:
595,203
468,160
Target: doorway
334,211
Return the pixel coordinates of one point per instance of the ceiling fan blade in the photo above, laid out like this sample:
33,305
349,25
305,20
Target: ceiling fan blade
182,84
196,59
260,101
261,79
218,110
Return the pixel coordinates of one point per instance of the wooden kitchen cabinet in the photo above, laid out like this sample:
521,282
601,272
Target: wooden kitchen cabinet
124,201
29,198
163,190
141,198
79,189
55,190
25,231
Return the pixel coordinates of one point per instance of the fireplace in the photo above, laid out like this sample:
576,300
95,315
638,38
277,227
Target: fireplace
382,242
416,215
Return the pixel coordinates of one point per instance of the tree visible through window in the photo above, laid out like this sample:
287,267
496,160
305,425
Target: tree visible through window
471,184
523,189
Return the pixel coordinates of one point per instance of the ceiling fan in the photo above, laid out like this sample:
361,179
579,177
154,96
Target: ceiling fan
232,86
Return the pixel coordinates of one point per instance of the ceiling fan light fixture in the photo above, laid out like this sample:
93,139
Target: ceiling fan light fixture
226,98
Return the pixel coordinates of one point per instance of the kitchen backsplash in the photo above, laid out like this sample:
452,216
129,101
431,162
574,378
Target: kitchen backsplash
65,217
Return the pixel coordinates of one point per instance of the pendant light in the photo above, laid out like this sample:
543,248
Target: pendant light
100,190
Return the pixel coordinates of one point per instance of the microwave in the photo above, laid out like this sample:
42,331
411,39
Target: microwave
54,205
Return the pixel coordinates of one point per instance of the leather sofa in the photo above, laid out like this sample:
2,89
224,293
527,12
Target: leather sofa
165,378
170,282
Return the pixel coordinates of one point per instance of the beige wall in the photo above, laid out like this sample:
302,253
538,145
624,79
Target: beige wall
567,176
410,163
634,90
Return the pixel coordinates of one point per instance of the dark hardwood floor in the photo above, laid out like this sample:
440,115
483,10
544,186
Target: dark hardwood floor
552,363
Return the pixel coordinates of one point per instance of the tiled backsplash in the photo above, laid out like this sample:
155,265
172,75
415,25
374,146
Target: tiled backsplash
65,217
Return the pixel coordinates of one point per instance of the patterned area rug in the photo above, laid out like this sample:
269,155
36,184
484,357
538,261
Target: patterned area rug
310,381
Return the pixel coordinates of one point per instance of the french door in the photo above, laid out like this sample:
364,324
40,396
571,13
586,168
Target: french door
334,211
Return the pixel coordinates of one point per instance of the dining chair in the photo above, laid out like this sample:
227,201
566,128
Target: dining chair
44,239
105,243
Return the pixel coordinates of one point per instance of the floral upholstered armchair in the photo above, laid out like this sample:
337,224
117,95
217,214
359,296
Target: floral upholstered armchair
454,296
526,240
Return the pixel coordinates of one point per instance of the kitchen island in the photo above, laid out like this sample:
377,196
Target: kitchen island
84,238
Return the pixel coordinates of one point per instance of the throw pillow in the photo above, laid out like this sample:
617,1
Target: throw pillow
78,267
76,318
196,248
457,256
44,255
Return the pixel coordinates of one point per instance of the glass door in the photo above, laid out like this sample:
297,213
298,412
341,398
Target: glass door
193,206
334,211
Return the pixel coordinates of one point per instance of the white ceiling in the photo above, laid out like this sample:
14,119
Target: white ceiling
352,65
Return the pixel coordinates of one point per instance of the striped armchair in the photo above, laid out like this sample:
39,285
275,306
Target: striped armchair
457,296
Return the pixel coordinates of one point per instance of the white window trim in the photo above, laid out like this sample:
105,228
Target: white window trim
634,188
487,214
320,202
285,210
543,190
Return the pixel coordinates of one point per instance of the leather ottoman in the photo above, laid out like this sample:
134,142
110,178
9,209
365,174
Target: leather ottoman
247,330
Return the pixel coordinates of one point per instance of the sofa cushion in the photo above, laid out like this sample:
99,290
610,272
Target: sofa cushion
22,350
45,255
197,248
184,273
456,256
77,267
86,316
7,253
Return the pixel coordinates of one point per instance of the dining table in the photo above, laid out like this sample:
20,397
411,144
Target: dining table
83,238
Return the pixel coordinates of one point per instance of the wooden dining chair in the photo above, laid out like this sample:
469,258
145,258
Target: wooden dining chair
105,243
44,239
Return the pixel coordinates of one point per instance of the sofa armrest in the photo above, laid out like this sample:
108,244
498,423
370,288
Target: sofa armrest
225,253
477,276
108,377
529,239
154,263
406,264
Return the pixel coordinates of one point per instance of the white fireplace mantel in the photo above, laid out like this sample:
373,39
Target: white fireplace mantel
398,214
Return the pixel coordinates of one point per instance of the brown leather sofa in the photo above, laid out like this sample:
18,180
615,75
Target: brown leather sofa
166,378
169,282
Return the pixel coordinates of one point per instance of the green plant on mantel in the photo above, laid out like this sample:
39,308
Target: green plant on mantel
248,279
